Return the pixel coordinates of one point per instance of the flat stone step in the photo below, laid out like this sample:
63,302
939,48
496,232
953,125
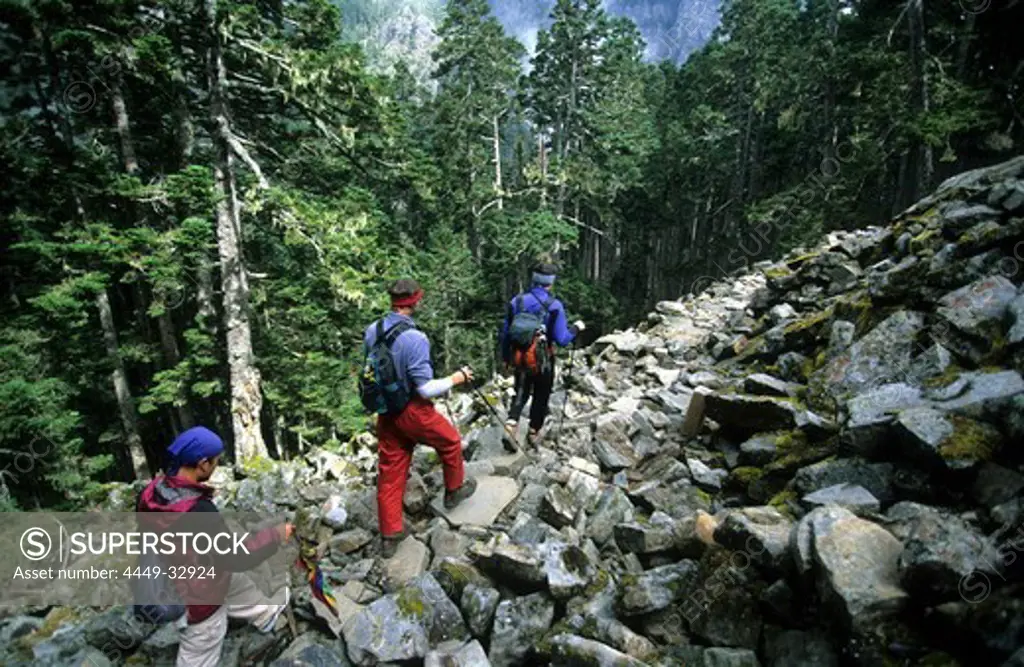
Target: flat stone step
492,495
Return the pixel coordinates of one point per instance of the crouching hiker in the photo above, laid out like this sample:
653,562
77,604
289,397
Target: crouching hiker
222,591
534,323
398,384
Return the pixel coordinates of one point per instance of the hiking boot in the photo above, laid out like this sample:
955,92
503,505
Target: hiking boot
533,438
453,498
389,543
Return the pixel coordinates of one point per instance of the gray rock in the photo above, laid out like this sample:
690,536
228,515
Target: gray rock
791,366
932,362
161,647
732,618
995,485
853,497
946,441
558,507
940,552
350,540
1016,311
519,624
877,478
653,536
705,379
411,559
871,416
493,494
575,651
758,450
115,628
15,627
416,494
656,588
705,476
779,314
796,648
745,415
730,657
512,563
841,338
309,650
858,577
766,385
478,605
662,467
404,626
611,442
987,395
760,533
470,654
567,568
964,217
978,309
801,539
612,507
880,356
677,499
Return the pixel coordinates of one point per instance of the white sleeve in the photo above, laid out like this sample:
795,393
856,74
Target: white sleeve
434,388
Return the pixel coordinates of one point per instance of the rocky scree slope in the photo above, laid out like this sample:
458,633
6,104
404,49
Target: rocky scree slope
817,463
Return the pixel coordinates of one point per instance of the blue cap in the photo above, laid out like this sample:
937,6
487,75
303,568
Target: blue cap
193,446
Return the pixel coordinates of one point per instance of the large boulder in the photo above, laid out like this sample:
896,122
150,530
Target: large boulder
978,309
880,356
940,552
746,415
761,533
857,570
946,441
519,625
656,588
575,651
405,625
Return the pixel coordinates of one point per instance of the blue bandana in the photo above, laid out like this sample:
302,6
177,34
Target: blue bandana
543,279
193,446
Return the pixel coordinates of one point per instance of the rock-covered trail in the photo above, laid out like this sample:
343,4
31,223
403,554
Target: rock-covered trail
817,463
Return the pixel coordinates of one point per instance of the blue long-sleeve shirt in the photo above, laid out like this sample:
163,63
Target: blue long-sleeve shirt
558,328
411,351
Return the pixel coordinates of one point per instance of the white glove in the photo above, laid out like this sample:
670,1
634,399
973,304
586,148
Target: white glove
579,325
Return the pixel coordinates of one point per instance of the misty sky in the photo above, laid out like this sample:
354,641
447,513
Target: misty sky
671,28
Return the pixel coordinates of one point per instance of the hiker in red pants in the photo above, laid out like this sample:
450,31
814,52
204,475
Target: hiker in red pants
398,384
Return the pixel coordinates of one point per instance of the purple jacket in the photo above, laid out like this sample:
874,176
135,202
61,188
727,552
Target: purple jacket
411,351
558,328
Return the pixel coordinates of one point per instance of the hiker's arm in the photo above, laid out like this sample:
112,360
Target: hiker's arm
562,333
421,373
261,545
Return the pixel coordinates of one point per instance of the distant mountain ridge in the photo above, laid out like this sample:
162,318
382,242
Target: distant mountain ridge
390,30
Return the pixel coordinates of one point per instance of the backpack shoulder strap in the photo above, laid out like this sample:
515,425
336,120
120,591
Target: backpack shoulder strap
546,303
395,331
520,303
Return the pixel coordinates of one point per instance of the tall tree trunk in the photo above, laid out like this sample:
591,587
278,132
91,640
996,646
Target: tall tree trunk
122,125
125,403
497,163
922,177
246,394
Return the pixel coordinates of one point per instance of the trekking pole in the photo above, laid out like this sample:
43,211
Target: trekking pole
565,400
506,438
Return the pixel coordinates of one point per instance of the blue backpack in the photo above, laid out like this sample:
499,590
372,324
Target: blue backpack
381,390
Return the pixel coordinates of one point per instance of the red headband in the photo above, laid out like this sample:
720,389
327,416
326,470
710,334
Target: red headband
408,301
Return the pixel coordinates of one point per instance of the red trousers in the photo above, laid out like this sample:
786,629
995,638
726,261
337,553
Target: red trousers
397,435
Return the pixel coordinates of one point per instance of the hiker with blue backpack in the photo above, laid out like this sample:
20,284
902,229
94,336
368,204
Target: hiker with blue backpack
397,383
535,322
